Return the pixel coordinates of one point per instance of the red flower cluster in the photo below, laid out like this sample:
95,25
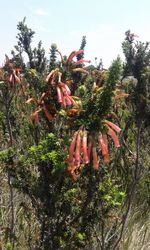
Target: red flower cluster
63,92
13,74
54,79
84,148
40,107
71,56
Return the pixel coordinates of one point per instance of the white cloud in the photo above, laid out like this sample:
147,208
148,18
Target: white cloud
40,12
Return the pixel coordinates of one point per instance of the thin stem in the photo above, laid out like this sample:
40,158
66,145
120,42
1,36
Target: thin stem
133,184
9,178
12,209
102,233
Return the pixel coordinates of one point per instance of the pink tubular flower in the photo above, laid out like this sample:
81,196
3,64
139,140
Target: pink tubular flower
81,61
47,114
73,54
106,157
35,116
84,148
68,101
72,100
30,100
62,59
80,70
41,98
78,150
67,90
17,79
59,95
64,88
120,96
72,148
104,147
59,77
49,75
114,136
105,139
113,126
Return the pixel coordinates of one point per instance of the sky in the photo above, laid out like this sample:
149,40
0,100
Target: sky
64,22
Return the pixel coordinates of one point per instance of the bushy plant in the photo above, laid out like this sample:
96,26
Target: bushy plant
68,142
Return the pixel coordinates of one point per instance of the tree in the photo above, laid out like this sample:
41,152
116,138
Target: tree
37,59
52,64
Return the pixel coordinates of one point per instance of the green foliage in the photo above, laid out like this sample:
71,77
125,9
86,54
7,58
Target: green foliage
6,156
52,64
115,71
9,246
137,56
48,152
110,193
83,44
26,35
97,101
37,59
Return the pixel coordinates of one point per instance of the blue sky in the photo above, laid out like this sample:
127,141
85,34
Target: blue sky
64,22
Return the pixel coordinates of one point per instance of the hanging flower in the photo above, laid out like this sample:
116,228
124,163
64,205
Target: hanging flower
81,61
71,56
84,148
103,144
49,116
72,148
35,116
40,107
63,92
13,74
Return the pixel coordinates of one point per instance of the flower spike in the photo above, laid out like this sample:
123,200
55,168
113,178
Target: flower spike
113,126
81,61
72,147
114,137
73,54
84,146
78,150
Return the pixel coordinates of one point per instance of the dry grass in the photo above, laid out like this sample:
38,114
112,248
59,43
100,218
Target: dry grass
137,234
25,224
